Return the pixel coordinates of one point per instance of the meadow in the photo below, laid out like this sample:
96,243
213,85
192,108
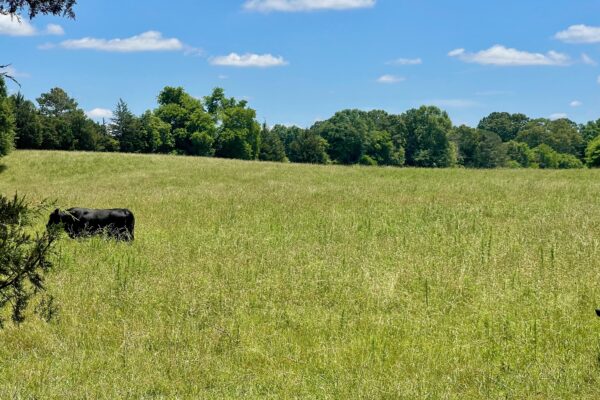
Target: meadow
265,280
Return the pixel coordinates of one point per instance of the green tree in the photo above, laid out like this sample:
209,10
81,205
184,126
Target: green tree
467,141
355,136
569,161
216,103
7,122
193,130
271,146
490,151
308,147
478,148
203,132
286,134
56,133
28,123
155,134
561,135
201,144
546,157
56,108
56,103
346,134
381,149
519,154
24,257
106,142
86,133
590,131
238,132
504,124
126,128
427,138
592,153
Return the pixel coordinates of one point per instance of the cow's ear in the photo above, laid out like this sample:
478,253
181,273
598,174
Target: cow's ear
56,212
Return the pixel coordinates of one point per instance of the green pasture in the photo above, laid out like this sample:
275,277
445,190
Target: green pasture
264,280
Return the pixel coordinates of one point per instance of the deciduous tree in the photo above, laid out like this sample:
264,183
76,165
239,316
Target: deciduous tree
561,135
504,124
427,138
592,153
308,147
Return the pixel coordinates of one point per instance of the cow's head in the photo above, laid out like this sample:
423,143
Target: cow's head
55,218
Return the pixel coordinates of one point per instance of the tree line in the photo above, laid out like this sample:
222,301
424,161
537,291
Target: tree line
221,126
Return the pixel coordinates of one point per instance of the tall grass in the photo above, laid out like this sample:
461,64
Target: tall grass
263,280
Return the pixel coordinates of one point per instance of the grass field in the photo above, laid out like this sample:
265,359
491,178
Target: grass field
263,280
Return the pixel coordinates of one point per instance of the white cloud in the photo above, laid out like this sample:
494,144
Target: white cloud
53,29
456,52
13,26
390,79
452,103
556,116
17,26
147,41
223,77
406,61
99,113
306,5
579,34
249,60
507,57
576,103
588,60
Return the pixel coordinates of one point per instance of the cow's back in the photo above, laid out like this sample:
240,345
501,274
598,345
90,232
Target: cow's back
118,217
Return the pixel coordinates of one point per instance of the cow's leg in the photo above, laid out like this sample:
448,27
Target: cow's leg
130,233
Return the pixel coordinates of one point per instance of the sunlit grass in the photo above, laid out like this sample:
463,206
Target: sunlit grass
282,281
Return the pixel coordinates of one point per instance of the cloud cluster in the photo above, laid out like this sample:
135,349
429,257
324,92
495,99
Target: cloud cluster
16,26
508,57
147,41
99,113
248,60
390,79
306,5
579,34
53,29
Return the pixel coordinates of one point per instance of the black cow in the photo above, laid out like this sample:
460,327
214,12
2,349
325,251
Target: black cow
117,222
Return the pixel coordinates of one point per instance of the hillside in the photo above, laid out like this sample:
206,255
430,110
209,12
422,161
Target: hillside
265,280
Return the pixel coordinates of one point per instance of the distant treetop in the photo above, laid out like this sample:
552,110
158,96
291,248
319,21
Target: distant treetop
35,7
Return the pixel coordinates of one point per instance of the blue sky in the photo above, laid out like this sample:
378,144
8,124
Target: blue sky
298,61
